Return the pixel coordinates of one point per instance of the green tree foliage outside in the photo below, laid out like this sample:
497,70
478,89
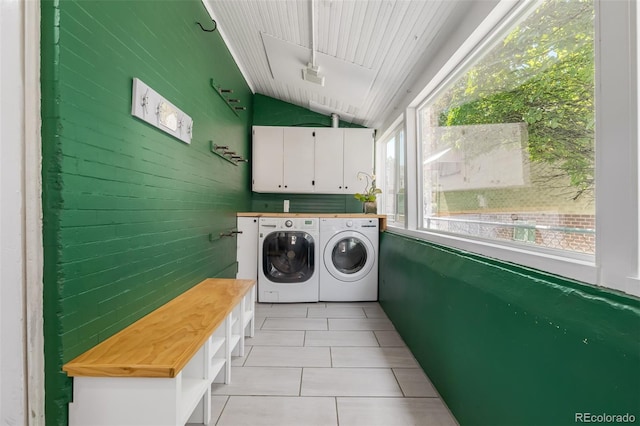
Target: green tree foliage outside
543,75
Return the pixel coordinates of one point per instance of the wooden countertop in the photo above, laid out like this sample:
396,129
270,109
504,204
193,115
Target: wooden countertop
161,343
381,217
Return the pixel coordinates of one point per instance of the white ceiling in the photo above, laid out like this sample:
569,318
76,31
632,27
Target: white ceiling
369,51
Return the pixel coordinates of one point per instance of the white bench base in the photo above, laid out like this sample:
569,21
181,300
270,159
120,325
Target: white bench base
150,401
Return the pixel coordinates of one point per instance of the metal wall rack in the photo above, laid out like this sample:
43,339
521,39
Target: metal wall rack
232,103
226,154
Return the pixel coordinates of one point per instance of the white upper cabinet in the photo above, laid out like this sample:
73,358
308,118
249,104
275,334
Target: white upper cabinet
311,160
358,157
298,159
329,161
267,159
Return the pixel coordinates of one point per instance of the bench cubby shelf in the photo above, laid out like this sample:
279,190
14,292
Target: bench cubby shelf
158,371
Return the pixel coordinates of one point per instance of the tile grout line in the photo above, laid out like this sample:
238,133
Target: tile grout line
375,336
246,356
222,411
331,356
404,395
301,377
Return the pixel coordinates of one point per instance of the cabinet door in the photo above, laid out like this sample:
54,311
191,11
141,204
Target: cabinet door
267,159
247,248
298,159
328,161
358,157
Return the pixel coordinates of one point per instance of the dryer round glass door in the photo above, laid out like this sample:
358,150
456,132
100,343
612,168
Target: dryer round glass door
349,256
287,257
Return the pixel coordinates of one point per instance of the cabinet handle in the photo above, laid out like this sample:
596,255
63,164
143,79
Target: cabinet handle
279,186
346,187
313,182
339,187
286,186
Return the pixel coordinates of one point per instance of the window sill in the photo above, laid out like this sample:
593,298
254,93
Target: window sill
577,267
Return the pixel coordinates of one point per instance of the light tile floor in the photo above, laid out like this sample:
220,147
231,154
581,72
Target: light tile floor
326,364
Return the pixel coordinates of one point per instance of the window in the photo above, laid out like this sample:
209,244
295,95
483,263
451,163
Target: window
470,186
391,173
507,146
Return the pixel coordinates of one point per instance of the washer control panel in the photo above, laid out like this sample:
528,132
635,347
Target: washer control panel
296,223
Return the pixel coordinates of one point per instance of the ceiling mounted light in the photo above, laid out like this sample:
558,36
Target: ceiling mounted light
312,73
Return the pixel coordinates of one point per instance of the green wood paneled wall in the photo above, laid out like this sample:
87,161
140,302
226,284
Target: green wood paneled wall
505,345
268,111
128,210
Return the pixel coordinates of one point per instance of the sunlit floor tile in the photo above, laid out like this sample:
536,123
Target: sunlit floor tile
295,324
283,311
389,338
349,382
352,304
386,357
261,381
414,382
340,338
374,312
276,338
336,312
279,411
273,356
360,324
324,364
393,411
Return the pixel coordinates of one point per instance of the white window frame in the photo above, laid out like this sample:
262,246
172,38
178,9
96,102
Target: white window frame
617,259
381,151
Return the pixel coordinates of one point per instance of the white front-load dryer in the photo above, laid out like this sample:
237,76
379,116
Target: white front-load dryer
349,270
288,265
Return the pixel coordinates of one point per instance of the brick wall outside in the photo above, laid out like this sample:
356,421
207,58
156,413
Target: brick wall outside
572,232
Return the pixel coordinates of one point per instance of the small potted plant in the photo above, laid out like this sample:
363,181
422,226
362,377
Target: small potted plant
368,197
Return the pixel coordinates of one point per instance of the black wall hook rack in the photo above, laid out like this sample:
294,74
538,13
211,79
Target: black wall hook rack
224,153
230,233
230,102
215,26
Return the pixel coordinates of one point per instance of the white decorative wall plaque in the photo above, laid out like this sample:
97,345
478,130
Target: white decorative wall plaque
149,106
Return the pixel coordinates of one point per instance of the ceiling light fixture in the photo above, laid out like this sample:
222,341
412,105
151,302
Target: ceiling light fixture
312,72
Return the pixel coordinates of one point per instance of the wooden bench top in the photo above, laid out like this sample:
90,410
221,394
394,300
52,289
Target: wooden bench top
161,343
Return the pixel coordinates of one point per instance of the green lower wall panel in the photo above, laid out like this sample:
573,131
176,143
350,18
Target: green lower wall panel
128,210
505,345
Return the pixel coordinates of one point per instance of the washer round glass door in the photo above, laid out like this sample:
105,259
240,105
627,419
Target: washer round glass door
349,256
287,256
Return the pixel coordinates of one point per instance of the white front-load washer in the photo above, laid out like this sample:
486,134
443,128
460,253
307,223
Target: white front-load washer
288,265
349,270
